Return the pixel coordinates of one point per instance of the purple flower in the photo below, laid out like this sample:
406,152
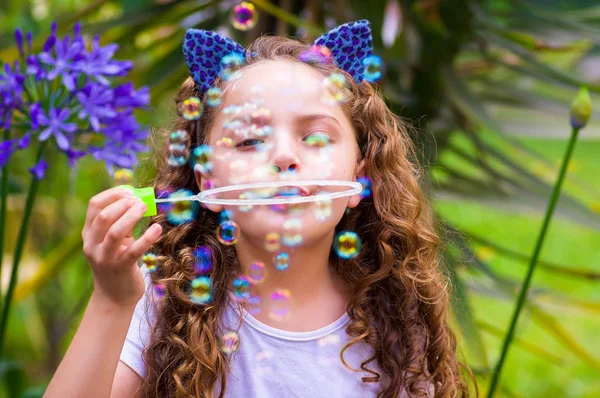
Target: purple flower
34,67
96,101
34,112
73,155
98,63
67,53
11,83
125,95
39,169
24,141
6,149
56,126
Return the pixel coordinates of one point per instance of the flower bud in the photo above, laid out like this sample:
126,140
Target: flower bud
581,109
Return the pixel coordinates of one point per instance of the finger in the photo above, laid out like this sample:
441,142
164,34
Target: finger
121,227
100,201
107,218
141,246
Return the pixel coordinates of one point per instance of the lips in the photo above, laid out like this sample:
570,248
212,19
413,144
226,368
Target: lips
286,192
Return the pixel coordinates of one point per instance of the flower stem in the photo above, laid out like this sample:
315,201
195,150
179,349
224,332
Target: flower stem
19,250
533,262
3,199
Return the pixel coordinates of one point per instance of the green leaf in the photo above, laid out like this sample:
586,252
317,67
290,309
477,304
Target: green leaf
13,377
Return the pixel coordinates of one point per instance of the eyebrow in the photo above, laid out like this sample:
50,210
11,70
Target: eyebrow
312,117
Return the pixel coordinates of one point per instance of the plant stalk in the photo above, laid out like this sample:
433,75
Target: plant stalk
3,201
533,262
19,250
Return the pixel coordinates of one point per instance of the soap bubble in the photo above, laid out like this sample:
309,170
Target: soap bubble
201,156
245,208
316,54
292,229
323,209
256,272
200,290
182,211
163,207
243,16
178,148
150,261
179,138
347,244
335,89
214,96
282,261
123,177
272,242
228,233
241,288
254,305
366,183
281,301
225,215
192,108
318,140
160,290
230,64
231,342
373,68
203,259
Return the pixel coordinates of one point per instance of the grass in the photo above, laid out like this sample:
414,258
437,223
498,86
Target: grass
573,302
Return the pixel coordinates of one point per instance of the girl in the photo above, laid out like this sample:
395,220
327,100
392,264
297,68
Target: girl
312,322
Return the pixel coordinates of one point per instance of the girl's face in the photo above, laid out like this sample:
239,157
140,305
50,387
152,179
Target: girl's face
279,122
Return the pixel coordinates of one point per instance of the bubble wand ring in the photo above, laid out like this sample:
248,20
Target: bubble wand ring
205,196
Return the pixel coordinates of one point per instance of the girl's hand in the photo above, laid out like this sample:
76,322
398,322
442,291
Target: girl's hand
110,248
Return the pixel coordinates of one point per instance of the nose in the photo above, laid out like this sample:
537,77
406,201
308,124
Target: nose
285,153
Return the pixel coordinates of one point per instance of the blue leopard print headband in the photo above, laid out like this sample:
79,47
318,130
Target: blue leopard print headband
204,51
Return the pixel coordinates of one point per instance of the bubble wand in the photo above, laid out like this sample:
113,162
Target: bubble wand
147,195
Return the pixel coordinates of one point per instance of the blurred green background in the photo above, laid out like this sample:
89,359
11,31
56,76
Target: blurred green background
487,84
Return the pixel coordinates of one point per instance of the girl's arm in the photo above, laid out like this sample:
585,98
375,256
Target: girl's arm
92,360
89,366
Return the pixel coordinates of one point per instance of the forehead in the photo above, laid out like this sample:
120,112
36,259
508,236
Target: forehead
286,88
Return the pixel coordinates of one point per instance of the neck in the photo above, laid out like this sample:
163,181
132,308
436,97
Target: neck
319,296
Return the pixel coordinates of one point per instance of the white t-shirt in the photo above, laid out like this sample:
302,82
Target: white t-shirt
272,363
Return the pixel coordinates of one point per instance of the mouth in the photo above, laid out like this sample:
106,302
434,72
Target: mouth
291,191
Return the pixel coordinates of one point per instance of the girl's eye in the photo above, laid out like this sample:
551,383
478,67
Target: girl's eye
318,140
250,143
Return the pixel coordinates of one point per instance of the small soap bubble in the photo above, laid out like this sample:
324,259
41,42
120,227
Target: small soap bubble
245,208
230,64
214,96
317,54
123,177
228,233
373,68
225,142
160,290
192,108
366,183
347,244
282,261
179,137
281,302
200,290
203,259
254,305
272,242
178,160
292,229
231,342
318,140
150,260
182,211
256,272
335,89
241,288
201,156
323,209
163,207
243,16
225,215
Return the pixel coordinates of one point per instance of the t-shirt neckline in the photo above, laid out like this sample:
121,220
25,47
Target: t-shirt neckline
263,328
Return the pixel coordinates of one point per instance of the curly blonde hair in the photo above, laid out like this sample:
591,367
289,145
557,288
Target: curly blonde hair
400,295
